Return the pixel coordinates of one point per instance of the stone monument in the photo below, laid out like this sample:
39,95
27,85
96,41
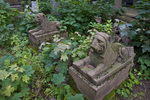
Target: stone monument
105,68
14,4
45,31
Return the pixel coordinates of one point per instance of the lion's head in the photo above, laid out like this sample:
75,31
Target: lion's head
42,21
99,43
98,48
45,24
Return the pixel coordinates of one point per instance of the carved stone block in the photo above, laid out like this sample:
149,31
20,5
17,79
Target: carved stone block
94,92
105,68
45,31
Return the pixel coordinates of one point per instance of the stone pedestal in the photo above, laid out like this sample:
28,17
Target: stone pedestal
45,31
104,69
36,40
97,92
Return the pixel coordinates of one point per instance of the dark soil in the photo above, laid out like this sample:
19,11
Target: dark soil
142,92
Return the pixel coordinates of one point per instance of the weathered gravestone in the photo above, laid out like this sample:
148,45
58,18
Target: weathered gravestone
35,7
105,68
14,4
54,4
45,31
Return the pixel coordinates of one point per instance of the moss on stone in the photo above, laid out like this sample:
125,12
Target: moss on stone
110,96
113,95
74,90
73,85
33,49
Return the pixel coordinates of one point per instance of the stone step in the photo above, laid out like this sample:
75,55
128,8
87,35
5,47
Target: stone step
129,15
126,18
16,6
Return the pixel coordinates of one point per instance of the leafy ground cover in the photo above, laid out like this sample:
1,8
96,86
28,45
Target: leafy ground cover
27,74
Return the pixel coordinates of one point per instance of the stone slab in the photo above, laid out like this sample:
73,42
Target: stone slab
19,8
118,4
93,92
12,2
36,40
101,77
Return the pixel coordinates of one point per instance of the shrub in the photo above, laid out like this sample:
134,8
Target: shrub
76,14
140,35
45,6
8,21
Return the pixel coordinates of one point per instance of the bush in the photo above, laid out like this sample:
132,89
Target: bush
8,22
76,14
45,6
140,35
105,9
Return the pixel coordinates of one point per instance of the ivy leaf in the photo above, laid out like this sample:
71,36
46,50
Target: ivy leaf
76,97
24,89
25,78
80,54
62,67
127,90
52,54
15,97
15,48
48,66
118,91
14,77
7,62
141,60
8,90
64,57
147,62
143,67
4,74
12,67
28,69
18,54
21,70
145,48
21,28
58,78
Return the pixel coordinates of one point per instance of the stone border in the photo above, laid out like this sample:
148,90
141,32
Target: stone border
93,92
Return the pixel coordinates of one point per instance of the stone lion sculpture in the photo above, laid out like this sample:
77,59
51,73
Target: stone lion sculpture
44,25
45,30
102,55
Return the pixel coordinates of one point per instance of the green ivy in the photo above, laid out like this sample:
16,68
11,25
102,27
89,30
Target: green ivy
103,28
45,6
76,14
140,36
8,21
105,9
144,70
14,79
125,91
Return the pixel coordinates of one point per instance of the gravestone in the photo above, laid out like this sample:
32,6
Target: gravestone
118,4
54,5
104,69
45,31
35,7
14,4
